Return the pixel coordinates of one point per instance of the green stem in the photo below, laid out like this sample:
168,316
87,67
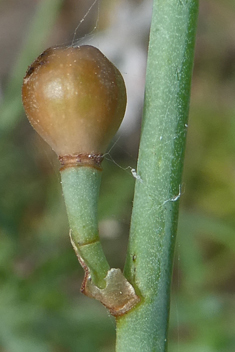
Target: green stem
160,163
81,190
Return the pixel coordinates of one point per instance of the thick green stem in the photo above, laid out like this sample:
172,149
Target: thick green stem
81,189
160,163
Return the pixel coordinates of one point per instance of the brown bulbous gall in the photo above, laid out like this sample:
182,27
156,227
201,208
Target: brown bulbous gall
75,98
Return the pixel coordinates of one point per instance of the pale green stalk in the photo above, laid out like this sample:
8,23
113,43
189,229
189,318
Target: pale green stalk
158,187
81,190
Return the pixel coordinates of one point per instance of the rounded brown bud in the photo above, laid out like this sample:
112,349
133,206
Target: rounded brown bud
75,98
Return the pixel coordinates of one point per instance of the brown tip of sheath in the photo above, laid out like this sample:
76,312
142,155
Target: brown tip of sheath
79,160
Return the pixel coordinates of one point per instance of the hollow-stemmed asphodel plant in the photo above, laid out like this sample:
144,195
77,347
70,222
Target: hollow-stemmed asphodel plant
75,98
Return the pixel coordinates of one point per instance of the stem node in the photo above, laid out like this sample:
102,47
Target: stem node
118,295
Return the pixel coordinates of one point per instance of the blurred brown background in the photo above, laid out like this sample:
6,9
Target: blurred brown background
41,308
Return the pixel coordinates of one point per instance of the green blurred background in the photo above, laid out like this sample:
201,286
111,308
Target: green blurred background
41,309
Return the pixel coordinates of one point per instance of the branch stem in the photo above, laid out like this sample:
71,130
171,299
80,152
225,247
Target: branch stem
81,190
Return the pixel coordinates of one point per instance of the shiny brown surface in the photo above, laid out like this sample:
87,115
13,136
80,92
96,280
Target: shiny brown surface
75,98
